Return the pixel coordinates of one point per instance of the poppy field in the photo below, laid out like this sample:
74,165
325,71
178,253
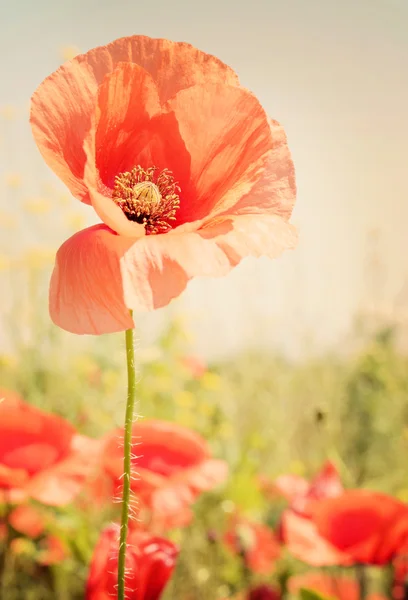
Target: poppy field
132,467
258,478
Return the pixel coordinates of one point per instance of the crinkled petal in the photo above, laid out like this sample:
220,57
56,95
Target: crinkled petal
227,133
86,292
127,100
63,105
157,268
158,143
250,235
99,275
275,190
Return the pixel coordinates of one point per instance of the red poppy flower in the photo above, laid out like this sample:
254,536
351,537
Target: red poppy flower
255,542
52,551
336,588
371,527
182,165
302,539
172,467
41,456
298,532
264,592
28,520
149,565
301,493
195,365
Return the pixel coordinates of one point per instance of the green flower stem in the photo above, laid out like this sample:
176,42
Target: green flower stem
127,451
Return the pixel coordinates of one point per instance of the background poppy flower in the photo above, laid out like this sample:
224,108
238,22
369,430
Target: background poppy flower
297,530
52,551
264,592
150,562
194,365
172,465
255,542
301,493
183,166
330,586
28,520
303,540
371,527
41,455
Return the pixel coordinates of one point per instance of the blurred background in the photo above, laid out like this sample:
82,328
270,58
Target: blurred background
297,361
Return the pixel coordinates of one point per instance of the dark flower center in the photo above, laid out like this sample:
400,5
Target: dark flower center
148,197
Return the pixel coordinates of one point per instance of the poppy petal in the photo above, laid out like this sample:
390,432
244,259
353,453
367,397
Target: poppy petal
143,275
275,191
370,526
250,235
227,133
60,484
305,543
63,105
28,520
157,144
127,100
84,298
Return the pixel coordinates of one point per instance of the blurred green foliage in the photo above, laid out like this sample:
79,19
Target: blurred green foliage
261,412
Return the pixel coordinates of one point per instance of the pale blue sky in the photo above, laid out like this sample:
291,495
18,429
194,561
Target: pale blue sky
334,73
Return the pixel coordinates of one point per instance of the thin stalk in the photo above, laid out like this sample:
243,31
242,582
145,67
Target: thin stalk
361,574
127,464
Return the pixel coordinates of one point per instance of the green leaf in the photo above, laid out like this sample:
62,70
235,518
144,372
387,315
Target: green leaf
306,594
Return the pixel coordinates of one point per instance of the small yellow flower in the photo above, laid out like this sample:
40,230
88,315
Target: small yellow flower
184,399
5,262
186,419
23,546
203,575
75,221
64,199
38,258
223,591
8,360
206,409
69,52
226,431
8,112
297,467
403,495
13,180
84,364
37,206
210,381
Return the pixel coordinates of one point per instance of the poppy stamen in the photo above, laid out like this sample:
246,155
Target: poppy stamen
148,198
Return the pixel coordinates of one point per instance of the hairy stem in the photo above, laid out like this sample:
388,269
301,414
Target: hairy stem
127,451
